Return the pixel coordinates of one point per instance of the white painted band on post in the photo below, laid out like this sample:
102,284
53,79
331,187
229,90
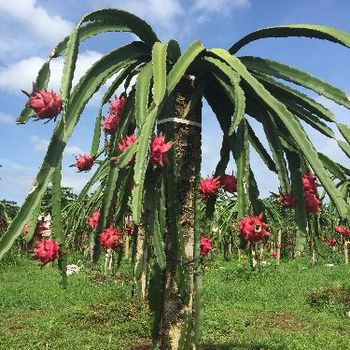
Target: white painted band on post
179,120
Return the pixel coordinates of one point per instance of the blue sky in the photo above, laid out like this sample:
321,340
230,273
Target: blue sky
29,29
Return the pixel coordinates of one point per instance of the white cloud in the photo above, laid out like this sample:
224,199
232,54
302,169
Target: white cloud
40,146
6,163
219,6
73,150
20,75
6,118
34,19
203,10
76,181
163,13
16,180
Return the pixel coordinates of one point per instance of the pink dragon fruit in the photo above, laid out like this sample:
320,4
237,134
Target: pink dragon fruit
110,124
253,229
46,251
110,238
46,104
309,182
117,106
84,162
287,200
159,149
205,245
229,183
209,187
126,142
312,202
93,219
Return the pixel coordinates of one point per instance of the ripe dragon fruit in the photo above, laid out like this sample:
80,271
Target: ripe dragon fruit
84,162
332,242
40,228
209,187
229,183
287,200
205,245
312,202
342,230
159,149
111,123
25,229
46,104
126,142
93,219
46,251
110,238
309,182
117,106
253,229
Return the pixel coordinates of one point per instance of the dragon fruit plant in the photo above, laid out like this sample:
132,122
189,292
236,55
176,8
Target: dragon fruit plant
156,177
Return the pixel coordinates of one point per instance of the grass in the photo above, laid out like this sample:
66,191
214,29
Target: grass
269,309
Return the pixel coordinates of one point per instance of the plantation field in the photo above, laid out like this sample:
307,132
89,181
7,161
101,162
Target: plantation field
270,309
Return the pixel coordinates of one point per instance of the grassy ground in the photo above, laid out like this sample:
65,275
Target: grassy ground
244,310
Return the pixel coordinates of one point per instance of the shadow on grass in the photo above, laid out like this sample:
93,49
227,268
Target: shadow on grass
223,346
240,346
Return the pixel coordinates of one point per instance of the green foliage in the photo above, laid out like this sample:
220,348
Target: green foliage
159,53
235,87
67,196
278,70
298,30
